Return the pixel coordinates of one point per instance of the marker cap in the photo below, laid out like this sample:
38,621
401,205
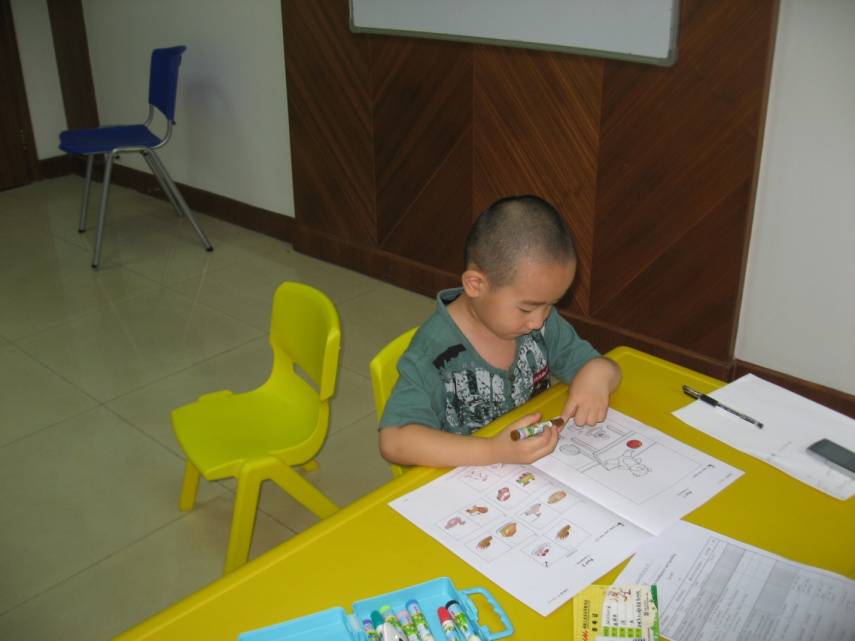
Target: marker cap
443,614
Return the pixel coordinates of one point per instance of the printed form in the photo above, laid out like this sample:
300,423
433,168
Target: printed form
544,532
790,424
714,588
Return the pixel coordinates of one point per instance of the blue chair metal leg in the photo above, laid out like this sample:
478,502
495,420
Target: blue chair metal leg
102,211
161,181
176,195
84,209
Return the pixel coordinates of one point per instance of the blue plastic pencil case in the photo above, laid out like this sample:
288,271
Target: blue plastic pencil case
337,625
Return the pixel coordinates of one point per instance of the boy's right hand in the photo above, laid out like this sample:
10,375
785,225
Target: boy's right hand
526,450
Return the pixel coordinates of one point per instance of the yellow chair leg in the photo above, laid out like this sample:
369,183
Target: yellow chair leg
306,494
249,483
311,466
189,486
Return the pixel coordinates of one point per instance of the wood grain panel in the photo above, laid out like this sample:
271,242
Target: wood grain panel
328,72
18,161
422,110
71,47
677,161
433,229
536,130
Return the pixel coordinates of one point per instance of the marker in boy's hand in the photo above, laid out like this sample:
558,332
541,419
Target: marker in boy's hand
528,450
536,429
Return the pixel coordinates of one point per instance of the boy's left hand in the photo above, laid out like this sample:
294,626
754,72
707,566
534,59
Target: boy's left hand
588,400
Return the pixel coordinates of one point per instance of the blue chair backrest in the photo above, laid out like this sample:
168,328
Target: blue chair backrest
163,79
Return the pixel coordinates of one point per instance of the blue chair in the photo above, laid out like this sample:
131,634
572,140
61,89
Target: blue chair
115,140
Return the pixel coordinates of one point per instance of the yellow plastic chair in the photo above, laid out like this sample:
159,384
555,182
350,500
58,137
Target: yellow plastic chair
384,375
262,434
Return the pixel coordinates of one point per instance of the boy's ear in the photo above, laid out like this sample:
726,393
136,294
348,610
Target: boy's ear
475,282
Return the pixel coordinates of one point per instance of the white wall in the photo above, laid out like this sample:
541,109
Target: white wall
231,136
798,306
41,78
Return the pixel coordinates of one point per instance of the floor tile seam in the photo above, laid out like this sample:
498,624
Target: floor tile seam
179,371
136,270
54,372
39,430
197,301
350,426
169,285
341,428
147,383
222,483
95,563
355,372
142,432
94,309
351,298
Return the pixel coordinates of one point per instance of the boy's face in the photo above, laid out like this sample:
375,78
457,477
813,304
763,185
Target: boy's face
521,306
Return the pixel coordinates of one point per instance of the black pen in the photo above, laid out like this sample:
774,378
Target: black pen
709,400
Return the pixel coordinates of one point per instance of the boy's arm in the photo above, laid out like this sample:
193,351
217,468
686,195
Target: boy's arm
415,444
588,399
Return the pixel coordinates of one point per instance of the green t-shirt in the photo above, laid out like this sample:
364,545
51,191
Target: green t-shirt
445,384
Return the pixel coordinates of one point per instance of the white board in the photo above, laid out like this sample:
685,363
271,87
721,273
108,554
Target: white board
639,30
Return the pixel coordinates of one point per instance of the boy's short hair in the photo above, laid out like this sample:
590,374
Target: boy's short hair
512,228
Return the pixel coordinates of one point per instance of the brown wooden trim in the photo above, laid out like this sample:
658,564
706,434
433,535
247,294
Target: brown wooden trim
605,336
233,211
828,396
57,166
72,61
383,265
17,94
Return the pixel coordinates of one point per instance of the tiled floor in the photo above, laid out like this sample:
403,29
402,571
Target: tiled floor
91,363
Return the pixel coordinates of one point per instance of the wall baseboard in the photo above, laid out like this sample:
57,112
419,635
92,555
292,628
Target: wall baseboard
233,211
57,166
418,277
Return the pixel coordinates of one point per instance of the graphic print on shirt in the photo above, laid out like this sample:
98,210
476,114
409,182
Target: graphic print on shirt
475,395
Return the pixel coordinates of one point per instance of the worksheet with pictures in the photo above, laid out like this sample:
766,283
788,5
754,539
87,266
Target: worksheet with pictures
540,539
535,537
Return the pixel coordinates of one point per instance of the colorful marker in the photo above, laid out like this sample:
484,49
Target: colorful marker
370,630
391,632
388,615
461,621
377,620
533,430
447,624
419,619
407,625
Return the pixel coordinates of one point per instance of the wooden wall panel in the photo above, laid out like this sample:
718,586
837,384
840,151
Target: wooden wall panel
71,46
397,143
676,167
536,131
329,107
422,109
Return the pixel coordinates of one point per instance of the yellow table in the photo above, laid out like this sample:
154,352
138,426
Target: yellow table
341,560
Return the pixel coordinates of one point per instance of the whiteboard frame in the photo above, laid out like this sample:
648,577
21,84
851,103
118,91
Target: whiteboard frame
668,61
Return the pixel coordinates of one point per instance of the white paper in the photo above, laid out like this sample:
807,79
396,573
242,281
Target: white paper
714,588
790,424
638,472
560,542
542,541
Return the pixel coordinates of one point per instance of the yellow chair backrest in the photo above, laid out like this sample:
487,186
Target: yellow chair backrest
304,330
384,375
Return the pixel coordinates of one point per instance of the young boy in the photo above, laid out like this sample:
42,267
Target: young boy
490,346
